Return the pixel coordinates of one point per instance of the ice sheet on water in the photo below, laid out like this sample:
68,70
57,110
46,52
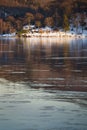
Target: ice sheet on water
40,108
55,94
4,82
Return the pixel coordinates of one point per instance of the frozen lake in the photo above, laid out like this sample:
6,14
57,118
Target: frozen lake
34,73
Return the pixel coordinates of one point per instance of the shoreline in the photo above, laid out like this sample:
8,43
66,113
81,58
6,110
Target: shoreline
74,37
45,34
51,35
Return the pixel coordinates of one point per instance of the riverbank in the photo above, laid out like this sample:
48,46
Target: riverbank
12,35
54,34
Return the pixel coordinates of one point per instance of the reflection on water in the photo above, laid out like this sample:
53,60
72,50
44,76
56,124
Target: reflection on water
45,62
33,72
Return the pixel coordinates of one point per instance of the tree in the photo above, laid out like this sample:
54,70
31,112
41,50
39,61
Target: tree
65,23
67,7
18,25
76,21
49,21
38,24
82,21
1,26
11,19
39,16
57,19
30,17
8,27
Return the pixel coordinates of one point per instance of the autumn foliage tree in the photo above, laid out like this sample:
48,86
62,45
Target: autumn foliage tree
53,13
38,24
30,17
49,21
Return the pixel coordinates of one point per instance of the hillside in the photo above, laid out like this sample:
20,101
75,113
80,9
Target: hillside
23,3
50,6
54,13
82,4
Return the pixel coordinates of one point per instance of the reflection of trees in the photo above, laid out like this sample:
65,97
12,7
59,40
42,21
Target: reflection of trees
28,58
58,66
42,59
78,50
11,49
11,58
68,65
6,51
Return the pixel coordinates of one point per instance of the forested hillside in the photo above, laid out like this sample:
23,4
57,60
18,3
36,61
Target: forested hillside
73,4
54,13
23,3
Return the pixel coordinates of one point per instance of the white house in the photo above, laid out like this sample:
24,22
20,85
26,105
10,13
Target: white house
27,27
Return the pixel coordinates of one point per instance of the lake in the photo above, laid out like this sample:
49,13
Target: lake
43,84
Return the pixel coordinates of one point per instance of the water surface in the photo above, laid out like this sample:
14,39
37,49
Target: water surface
34,72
